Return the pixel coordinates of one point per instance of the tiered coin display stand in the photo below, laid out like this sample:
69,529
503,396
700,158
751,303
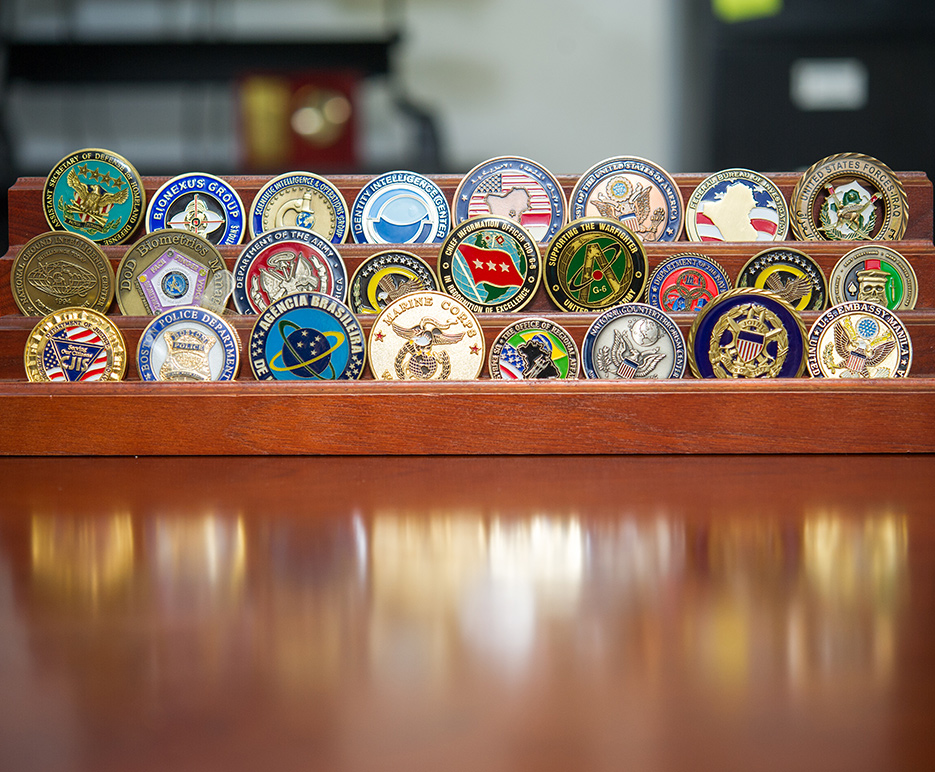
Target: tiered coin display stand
247,417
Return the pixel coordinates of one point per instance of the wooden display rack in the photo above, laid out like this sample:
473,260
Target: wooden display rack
367,417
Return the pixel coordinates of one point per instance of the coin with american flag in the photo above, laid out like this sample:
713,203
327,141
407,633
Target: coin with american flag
533,348
515,188
75,344
737,205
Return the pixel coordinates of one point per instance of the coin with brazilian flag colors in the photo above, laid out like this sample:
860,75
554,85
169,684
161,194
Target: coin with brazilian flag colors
307,337
490,264
533,348
594,263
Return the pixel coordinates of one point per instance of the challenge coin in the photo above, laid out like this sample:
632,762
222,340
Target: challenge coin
284,261
686,282
515,188
633,340
594,263
300,200
747,333
426,336
736,205
859,340
791,274
385,277
874,273
308,336
58,270
849,196
75,344
533,348
95,193
166,269
199,203
188,344
490,264
400,208
641,195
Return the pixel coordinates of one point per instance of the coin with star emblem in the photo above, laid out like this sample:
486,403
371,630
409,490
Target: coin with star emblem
300,200
75,345
849,196
95,193
307,336
790,273
386,276
188,344
426,336
58,270
859,339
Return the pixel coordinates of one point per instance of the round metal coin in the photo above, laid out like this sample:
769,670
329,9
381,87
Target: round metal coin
747,333
515,188
400,208
490,264
791,274
638,193
188,344
875,274
198,203
58,270
533,348
849,196
75,344
859,340
283,261
426,336
300,200
633,340
736,205
386,276
308,336
166,269
95,193
686,282
594,263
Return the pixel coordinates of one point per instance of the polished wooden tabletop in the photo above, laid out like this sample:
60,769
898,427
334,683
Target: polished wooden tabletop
591,613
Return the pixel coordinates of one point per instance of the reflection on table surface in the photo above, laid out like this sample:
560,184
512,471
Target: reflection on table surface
467,613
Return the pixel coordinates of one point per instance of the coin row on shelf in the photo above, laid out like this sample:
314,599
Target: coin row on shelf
425,335
98,193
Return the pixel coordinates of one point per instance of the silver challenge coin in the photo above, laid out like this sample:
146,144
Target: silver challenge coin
633,340
188,344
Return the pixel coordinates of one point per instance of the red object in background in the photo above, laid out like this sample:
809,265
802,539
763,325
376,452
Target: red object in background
298,121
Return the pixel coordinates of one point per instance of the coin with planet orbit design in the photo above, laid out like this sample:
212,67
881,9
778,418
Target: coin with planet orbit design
308,337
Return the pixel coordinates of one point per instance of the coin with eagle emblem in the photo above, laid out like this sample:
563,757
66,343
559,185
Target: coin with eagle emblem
633,340
426,336
790,273
58,270
96,193
859,339
386,276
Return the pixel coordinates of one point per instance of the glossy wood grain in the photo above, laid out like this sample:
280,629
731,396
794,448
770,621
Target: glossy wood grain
600,613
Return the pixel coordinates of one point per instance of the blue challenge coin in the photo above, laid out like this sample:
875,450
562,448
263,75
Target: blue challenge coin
188,343
200,203
641,195
307,337
400,208
747,333
514,188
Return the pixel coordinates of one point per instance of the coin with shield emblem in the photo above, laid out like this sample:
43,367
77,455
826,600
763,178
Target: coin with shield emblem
633,340
857,339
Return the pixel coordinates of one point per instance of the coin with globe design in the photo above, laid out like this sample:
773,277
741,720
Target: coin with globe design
633,340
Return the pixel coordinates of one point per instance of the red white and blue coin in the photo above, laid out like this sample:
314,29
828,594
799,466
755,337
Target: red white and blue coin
490,264
400,208
283,261
736,205
633,340
307,337
75,344
533,348
517,189
686,282
300,200
199,203
641,195
188,343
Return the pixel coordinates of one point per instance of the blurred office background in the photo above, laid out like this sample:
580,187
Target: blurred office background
344,86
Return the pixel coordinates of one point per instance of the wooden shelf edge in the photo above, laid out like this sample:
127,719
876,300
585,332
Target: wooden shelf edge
468,418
